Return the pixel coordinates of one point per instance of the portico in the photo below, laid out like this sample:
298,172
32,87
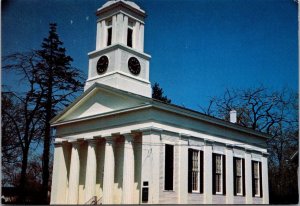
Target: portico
80,156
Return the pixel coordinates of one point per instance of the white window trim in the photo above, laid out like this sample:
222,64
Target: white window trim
218,152
258,185
221,192
241,193
197,191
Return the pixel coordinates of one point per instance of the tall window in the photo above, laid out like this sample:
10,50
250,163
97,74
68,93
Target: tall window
109,32
219,181
195,173
256,178
129,37
169,154
129,33
238,166
218,174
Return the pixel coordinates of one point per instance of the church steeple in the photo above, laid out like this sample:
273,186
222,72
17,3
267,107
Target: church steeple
119,59
120,22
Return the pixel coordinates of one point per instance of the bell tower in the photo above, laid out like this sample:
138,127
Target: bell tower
119,60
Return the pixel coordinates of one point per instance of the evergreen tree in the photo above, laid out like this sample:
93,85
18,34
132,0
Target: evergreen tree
158,93
59,81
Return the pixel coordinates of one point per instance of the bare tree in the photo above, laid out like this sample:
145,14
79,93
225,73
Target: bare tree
272,112
20,120
49,83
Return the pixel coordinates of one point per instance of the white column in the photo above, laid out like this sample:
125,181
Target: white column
141,48
90,178
109,172
229,176
136,33
103,35
128,170
248,177
183,171
98,36
155,166
125,30
114,30
208,173
119,28
265,179
60,174
151,163
74,174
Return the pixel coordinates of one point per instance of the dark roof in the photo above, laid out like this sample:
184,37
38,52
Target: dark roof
161,104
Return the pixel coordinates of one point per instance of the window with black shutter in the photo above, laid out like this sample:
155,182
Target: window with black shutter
238,175
243,177
194,171
169,162
201,172
224,174
256,179
260,180
219,175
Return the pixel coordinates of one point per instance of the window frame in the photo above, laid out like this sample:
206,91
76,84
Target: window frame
130,27
198,171
241,176
221,174
109,26
257,179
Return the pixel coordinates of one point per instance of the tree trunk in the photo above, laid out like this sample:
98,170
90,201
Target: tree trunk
22,184
46,163
47,140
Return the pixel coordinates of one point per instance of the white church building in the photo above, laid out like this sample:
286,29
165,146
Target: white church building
117,145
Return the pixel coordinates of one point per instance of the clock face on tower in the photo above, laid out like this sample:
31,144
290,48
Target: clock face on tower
134,65
102,64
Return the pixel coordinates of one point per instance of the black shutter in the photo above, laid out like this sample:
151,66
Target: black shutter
243,177
201,172
224,174
253,181
214,173
234,175
260,180
190,163
169,162
171,166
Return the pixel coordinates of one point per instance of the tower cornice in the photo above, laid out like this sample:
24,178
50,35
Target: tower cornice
119,46
120,5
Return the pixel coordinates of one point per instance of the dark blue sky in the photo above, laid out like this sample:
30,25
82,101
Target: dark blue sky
198,47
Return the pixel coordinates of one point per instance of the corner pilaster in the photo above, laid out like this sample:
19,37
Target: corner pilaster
208,172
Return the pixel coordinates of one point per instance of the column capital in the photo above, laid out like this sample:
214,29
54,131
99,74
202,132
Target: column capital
76,144
184,136
92,142
149,130
265,154
129,137
109,140
208,142
58,144
248,150
229,146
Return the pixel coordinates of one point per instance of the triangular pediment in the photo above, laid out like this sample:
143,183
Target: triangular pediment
99,99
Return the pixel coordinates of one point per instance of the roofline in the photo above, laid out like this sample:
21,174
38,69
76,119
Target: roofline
156,104
209,119
122,4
